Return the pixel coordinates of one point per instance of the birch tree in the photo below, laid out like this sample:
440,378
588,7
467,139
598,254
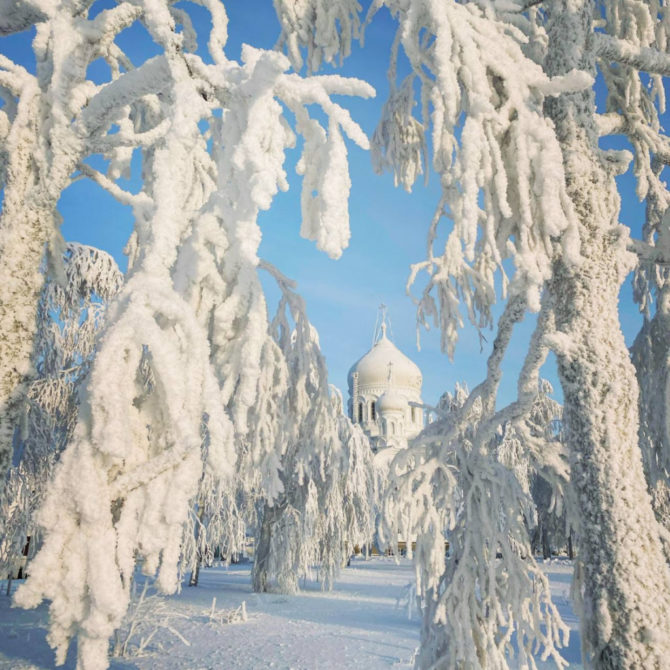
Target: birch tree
51,120
325,502
175,379
70,316
650,353
507,111
465,480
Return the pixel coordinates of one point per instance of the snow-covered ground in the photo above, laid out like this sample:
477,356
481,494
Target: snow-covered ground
364,622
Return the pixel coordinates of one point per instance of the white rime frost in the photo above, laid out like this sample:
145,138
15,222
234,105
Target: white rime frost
184,357
49,123
507,110
326,500
71,312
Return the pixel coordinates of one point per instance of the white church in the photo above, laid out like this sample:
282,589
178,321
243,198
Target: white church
383,384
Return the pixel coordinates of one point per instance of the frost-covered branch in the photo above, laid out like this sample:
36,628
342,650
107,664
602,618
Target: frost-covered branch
648,253
17,17
187,368
326,502
492,148
324,29
151,77
124,197
621,51
146,138
467,479
488,587
71,313
110,22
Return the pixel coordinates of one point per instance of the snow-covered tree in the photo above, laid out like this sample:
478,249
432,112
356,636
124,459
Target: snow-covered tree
507,107
325,502
467,480
353,500
50,122
650,353
548,487
70,314
216,525
181,360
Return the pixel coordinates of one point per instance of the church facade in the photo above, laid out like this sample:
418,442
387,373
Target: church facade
383,386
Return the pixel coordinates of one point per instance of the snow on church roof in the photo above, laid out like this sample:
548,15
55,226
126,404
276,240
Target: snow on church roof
373,368
391,401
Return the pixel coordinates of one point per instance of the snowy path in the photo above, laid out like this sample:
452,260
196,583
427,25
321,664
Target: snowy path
358,624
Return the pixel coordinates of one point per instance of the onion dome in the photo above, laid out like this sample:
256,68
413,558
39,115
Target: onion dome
391,401
382,361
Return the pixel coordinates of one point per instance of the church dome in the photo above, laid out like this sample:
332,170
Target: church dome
391,401
386,359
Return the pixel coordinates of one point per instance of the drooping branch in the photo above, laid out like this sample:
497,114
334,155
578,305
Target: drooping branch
452,479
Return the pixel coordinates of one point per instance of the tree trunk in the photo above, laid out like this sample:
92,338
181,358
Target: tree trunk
24,229
627,582
195,572
626,579
259,577
38,170
546,546
651,355
24,233
44,153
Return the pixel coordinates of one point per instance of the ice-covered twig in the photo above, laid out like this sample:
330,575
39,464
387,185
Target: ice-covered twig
140,199
641,58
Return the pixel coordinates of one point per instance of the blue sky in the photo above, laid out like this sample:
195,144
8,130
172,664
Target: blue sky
388,227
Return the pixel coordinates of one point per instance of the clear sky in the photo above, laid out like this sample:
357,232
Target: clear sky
388,226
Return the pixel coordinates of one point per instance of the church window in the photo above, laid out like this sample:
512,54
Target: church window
392,428
360,412
413,414
373,411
